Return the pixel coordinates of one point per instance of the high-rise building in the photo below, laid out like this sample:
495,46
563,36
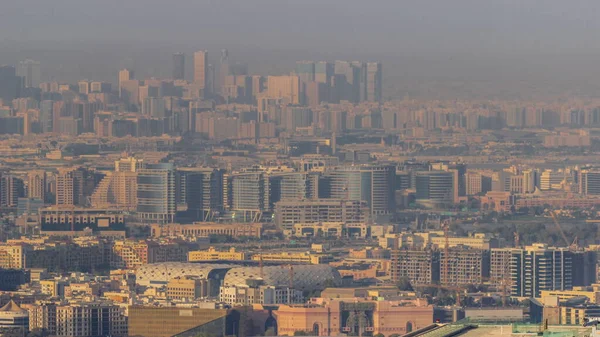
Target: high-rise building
315,93
374,82
36,184
419,266
201,191
11,189
258,85
73,186
129,92
371,183
530,178
464,266
156,193
297,117
361,79
30,71
589,182
288,88
323,72
305,70
78,319
294,186
116,189
46,116
84,87
290,212
178,66
100,87
539,267
201,69
124,76
500,264
347,81
473,182
435,188
551,180
224,69
154,107
247,193
129,164
10,84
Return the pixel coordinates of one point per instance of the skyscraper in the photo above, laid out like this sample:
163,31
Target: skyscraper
539,267
360,80
129,164
371,183
247,194
116,189
288,88
156,193
305,71
153,106
374,82
224,70
73,185
201,68
124,75
11,189
201,189
36,184
178,66
30,71
436,188
589,182
9,84
323,72
347,83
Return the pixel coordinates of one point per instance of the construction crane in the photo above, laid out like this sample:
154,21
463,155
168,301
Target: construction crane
446,228
572,245
504,283
260,264
562,233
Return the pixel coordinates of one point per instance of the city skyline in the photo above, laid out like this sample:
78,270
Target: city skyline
299,168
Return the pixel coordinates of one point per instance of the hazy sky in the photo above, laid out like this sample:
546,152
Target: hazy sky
455,40
389,25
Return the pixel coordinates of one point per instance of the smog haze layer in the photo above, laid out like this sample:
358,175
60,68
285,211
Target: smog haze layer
505,49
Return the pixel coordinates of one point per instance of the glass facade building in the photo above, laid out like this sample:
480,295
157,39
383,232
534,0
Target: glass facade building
156,193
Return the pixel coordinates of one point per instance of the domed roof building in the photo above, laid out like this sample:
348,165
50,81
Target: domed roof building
303,277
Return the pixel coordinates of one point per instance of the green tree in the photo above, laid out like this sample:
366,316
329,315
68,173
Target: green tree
301,333
403,284
379,335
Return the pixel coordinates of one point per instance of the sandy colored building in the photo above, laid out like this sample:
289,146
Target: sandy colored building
167,322
302,257
187,288
287,88
330,317
213,254
205,229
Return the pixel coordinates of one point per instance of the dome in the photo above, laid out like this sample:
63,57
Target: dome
306,277
161,273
